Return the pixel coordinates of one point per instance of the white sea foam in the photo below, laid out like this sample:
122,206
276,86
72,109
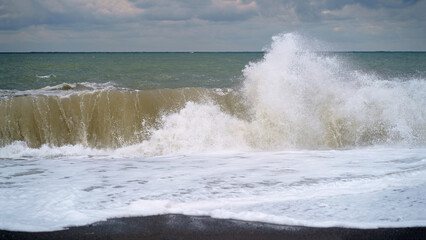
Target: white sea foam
46,76
310,100
322,145
62,89
367,188
300,99
294,98
20,150
82,86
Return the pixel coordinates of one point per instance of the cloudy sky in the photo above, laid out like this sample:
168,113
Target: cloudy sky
208,25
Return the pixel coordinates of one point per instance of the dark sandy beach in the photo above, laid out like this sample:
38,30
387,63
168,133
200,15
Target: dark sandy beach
195,227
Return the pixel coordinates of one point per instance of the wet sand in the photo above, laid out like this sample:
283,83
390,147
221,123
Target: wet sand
175,226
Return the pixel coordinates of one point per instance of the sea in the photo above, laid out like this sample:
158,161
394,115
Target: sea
296,134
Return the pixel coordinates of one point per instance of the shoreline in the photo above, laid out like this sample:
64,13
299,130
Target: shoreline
178,226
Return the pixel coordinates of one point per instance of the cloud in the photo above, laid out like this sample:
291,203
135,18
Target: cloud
316,10
228,10
386,3
17,14
165,10
107,8
21,14
214,23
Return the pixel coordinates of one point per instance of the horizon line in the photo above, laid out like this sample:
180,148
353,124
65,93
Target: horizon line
191,52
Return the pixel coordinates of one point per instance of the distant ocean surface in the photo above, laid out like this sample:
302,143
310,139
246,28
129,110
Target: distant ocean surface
293,135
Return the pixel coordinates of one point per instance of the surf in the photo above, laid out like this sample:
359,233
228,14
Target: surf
296,97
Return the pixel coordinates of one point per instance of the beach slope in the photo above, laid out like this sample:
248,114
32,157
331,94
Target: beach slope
175,226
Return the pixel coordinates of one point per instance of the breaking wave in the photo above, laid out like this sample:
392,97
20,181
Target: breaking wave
294,98
99,118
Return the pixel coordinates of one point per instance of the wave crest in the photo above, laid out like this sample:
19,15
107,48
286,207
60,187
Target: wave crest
100,118
295,97
314,101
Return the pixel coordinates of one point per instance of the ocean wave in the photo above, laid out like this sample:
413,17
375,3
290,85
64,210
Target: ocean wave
46,76
294,98
81,86
99,118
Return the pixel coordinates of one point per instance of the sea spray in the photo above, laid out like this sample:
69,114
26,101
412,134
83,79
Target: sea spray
314,100
299,98
308,138
296,97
